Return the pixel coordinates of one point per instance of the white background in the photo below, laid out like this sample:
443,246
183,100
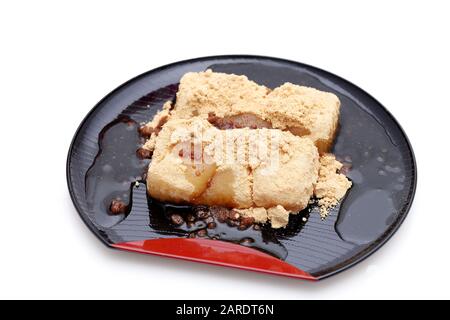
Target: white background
58,58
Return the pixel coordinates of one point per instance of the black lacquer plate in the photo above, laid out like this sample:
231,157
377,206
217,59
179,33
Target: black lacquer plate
370,142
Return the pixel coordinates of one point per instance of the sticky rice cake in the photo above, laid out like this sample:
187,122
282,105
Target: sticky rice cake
232,179
302,110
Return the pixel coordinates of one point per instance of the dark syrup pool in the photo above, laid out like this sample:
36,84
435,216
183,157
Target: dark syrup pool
115,170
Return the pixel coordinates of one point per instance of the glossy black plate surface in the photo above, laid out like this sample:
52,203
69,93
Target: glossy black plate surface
370,142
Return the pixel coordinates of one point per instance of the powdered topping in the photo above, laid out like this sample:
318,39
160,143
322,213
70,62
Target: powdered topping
331,185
